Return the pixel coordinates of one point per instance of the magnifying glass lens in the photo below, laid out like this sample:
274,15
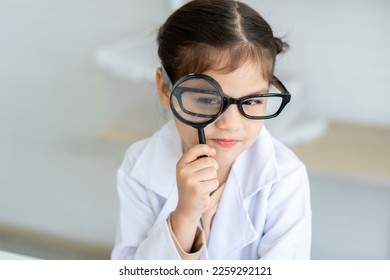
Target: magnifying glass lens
196,101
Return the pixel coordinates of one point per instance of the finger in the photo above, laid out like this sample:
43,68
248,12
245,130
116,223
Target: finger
205,188
197,170
209,186
197,151
202,163
206,174
190,178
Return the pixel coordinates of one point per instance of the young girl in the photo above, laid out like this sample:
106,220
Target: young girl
242,195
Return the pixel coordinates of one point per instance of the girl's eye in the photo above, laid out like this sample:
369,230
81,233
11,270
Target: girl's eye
252,102
207,100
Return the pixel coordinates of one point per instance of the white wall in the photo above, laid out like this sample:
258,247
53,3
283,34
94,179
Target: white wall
47,70
54,171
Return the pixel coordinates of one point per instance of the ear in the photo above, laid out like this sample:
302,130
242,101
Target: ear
163,90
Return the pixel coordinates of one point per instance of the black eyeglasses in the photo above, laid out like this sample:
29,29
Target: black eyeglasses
200,96
198,100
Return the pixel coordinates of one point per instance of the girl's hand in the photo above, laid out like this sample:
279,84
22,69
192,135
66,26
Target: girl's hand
196,179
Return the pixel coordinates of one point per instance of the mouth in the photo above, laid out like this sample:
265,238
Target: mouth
225,143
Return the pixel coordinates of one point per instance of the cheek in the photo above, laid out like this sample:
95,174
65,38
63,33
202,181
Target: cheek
188,134
255,128
253,125
252,132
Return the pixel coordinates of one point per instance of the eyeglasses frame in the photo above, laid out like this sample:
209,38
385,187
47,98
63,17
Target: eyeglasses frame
227,101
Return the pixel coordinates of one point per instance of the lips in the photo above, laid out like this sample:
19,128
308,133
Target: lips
225,143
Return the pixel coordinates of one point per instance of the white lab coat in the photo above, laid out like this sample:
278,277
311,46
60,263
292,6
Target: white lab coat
264,211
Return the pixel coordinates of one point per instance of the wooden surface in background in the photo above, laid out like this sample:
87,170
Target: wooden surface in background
351,149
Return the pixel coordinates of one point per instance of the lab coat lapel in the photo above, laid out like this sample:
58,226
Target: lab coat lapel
160,155
232,228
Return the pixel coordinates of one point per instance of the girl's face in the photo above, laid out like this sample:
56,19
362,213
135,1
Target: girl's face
231,133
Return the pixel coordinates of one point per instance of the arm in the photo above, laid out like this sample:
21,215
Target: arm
196,180
138,234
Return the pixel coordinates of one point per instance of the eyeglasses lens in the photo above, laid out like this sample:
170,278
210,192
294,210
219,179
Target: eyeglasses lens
261,106
197,101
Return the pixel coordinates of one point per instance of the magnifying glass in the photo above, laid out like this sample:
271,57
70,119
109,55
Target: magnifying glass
197,100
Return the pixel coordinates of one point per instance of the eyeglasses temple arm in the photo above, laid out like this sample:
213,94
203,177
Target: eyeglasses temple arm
166,78
275,81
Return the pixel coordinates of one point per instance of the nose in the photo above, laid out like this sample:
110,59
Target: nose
230,119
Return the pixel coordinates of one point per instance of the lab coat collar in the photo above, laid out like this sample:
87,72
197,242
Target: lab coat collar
232,227
160,176
257,166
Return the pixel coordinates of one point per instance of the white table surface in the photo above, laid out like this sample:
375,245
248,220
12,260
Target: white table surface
4,255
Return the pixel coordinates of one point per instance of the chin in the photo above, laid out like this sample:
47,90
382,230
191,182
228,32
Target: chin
224,160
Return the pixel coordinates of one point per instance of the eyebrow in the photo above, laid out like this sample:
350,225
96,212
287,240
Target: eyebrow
261,91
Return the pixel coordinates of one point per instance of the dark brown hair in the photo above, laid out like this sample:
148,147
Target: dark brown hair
216,35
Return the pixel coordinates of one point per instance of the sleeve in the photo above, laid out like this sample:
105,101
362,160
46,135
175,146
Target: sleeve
139,236
197,248
287,233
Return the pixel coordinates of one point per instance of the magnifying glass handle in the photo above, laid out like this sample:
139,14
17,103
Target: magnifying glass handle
202,138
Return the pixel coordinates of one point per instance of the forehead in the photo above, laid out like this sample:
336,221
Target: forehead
244,69
245,80
202,58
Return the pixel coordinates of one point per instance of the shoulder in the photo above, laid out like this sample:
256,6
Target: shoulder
291,170
149,148
132,153
157,155
274,153
285,158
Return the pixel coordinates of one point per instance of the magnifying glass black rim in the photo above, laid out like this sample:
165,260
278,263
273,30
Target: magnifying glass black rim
192,77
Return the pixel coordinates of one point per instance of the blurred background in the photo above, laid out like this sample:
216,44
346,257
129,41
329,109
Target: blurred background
76,88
